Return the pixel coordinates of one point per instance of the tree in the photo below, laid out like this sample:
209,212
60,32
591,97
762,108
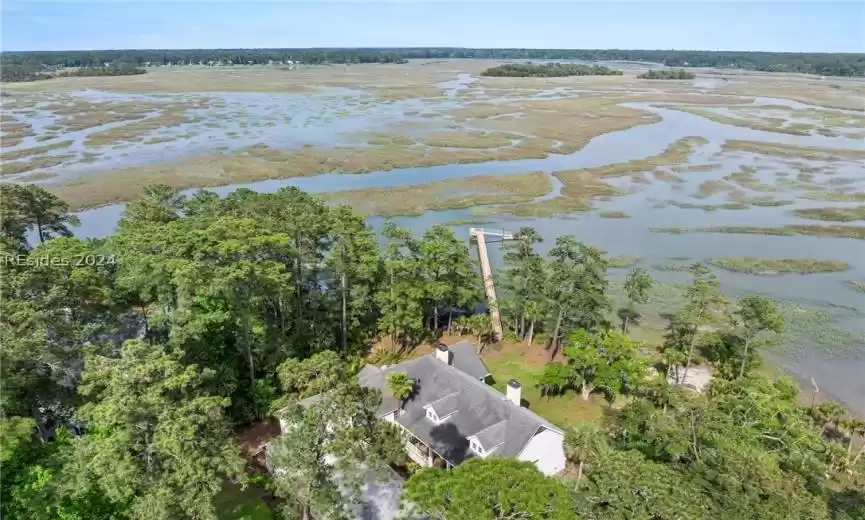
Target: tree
606,361
487,489
155,440
401,296
482,327
34,479
329,448
354,260
854,427
159,204
700,300
311,376
755,315
30,206
222,280
575,288
400,386
447,272
523,280
584,443
637,285
746,442
48,311
623,485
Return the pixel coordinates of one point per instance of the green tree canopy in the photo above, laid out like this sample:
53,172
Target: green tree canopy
156,440
488,489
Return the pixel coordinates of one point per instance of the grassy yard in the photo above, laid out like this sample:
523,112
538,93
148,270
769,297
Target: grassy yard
239,504
525,364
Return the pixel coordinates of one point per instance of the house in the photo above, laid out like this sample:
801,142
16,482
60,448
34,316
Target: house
454,414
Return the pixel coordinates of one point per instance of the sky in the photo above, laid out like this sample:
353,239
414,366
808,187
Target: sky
728,25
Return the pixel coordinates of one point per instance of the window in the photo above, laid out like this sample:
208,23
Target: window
431,415
476,447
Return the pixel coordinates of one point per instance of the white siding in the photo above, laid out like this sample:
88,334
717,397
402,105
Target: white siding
546,451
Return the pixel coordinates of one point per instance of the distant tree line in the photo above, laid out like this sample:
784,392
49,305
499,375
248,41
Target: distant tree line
667,74
547,70
120,69
35,72
825,64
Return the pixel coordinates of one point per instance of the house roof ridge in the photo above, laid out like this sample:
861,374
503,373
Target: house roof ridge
493,391
442,398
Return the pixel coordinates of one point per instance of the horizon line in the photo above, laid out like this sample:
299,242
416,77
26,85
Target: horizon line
421,47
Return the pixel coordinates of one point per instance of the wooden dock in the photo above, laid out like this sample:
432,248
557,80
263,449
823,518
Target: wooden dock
478,235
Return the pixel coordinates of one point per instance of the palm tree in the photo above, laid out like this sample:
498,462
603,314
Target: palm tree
828,416
854,427
584,443
532,311
401,387
482,327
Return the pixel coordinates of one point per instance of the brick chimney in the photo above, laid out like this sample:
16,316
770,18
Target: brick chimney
443,354
515,392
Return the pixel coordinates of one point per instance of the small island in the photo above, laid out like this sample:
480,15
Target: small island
549,70
668,74
773,266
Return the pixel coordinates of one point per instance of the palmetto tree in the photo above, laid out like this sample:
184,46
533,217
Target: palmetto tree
584,443
853,427
401,387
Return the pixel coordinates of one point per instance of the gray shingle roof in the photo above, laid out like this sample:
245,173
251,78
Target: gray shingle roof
446,405
493,435
478,407
464,356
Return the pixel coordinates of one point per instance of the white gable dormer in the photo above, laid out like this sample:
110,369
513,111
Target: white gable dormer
435,417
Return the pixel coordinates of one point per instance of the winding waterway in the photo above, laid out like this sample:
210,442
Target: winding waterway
840,375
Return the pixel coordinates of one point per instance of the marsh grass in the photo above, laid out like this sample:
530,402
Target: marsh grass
137,130
613,214
811,92
28,152
708,188
833,213
836,196
672,267
579,187
765,125
666,176
389,140
573,122
696,168
773,266
785,150
35,177
443,195
763,201
710,207
468,221
35,163
469,139
856,285
838,231
622,262
12,131
811,328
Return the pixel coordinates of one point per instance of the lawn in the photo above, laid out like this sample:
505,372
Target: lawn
525,364
239,504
